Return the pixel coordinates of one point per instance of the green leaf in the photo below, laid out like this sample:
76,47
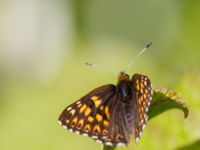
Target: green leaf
163,100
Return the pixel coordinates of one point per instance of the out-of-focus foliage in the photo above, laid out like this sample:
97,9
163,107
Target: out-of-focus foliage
194,146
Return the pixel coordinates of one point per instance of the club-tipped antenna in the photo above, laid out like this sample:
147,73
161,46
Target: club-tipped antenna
101,67
140,53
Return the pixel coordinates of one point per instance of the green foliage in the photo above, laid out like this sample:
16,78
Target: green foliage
194,146
163,99
105,147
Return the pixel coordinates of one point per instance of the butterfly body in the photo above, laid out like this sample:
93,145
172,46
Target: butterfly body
111,114
124,87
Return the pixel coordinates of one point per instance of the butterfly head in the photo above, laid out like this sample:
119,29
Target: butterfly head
123,76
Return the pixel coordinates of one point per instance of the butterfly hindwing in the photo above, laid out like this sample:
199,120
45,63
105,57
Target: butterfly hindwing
142,86
91,114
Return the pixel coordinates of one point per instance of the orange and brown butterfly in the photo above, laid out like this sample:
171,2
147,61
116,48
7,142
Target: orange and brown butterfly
111,114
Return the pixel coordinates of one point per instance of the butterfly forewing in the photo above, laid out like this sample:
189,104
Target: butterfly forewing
144,92
91,114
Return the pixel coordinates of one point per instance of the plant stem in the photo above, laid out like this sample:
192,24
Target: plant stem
105,147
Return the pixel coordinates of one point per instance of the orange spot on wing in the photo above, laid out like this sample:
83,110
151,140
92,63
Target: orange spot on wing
139,101
107,112
106,123
137,81
101,108
142,85
90,119
96,129
137,87
87,128
74,121
141,90
119,137
142,109
145,83
87,111
99,117
105,132
80,123
83,108
145,96
97,101
146,91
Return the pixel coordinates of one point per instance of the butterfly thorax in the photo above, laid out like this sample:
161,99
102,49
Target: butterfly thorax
124,87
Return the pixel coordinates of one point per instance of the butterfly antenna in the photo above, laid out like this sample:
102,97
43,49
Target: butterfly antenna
140,53
101,67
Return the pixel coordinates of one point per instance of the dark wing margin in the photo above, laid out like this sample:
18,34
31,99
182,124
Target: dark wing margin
90,115
144,92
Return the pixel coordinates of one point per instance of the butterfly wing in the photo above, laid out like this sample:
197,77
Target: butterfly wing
90,115
143,90
98,115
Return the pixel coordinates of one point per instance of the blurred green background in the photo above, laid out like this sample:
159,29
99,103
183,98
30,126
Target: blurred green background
43,48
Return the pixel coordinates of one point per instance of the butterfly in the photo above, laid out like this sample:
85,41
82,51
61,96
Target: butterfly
111,114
